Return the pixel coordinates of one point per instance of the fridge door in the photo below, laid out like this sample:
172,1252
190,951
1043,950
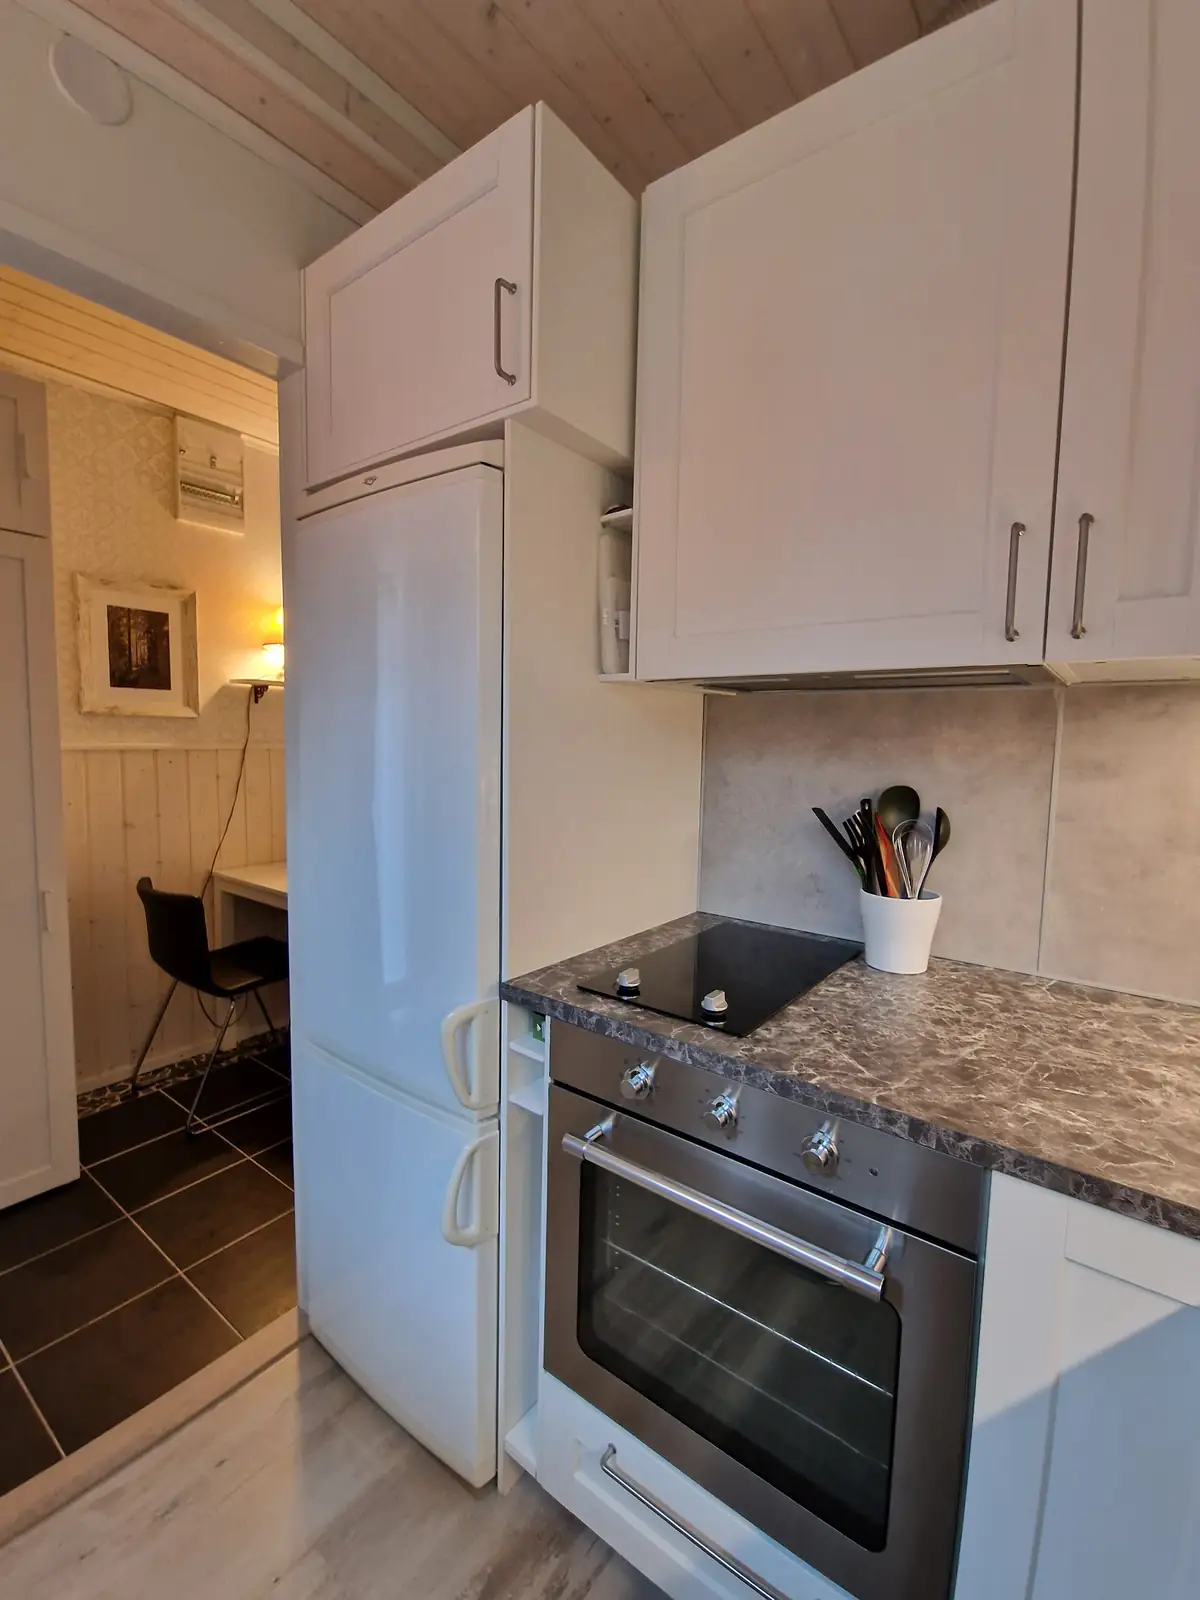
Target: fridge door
394,616
396,1222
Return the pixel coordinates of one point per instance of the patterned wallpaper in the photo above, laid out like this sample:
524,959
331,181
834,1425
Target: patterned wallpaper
111,466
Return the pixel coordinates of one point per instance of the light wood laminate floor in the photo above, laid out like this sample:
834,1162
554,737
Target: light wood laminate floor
297,1487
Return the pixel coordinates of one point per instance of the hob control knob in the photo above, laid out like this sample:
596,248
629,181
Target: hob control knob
723,1112
820,1155
715,1003
638,1081
629,980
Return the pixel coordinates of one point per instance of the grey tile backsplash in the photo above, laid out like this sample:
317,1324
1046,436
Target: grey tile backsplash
1090,873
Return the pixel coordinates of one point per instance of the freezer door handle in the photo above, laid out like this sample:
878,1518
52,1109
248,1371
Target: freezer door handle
484,1224
475,1088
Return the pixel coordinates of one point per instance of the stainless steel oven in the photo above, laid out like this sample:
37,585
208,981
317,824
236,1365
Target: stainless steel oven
780,1305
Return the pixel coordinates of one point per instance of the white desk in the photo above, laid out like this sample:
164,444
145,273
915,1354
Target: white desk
265,884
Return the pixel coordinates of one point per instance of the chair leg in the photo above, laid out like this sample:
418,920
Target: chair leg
271,1028
208,1065
157,1023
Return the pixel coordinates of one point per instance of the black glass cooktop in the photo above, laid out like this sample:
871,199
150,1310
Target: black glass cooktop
757,971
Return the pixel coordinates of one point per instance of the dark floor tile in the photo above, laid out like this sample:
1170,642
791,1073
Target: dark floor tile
253,1281
25,1446
104,1373
259,1130
133,1122
278,1161
215,1213
49,1220
140,1177
228,1087
59,1292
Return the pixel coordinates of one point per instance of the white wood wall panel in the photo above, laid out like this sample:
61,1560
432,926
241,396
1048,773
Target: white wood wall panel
150,812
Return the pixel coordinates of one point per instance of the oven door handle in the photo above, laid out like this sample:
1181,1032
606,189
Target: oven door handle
866,1279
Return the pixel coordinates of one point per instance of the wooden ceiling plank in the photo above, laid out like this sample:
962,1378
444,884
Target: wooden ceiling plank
292,59
288,15
583,59
666,67
420,61
807,41
501,50
206,64
875,28
727,41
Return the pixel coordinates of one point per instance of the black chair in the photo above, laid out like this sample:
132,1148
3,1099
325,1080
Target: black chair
178,938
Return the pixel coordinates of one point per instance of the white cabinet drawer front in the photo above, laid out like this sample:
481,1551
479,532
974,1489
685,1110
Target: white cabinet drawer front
573,1437
401,319
1131,414
850,365
1164,1263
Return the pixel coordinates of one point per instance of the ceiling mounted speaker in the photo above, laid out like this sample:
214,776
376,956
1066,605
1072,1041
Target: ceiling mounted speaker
91,82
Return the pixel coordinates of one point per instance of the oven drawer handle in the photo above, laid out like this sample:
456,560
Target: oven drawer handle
868,1281
652,1503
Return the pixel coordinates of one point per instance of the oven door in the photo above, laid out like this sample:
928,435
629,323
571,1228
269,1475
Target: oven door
802,1361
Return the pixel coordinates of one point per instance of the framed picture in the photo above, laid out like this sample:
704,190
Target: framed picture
137,649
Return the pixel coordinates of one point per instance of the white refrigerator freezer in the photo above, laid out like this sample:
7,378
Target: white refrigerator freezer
394,606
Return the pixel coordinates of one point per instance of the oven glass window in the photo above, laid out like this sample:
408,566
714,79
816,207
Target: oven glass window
789,1374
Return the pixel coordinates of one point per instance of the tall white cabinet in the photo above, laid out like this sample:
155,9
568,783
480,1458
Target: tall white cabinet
1126,582
38,1138
849,367
504,285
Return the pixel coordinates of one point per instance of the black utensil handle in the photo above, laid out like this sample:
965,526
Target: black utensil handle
833,833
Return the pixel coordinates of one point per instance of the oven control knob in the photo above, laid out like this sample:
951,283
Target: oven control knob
821,1153
723,1112
638,1081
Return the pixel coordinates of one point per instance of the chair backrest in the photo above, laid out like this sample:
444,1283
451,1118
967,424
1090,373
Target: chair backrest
177,934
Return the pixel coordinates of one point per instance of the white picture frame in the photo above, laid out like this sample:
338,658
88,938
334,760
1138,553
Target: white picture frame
137,648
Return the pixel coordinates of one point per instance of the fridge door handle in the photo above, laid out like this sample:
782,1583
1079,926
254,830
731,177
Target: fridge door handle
469,1086
484,1225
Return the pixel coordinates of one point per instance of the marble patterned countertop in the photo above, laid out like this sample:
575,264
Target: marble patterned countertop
1092,1093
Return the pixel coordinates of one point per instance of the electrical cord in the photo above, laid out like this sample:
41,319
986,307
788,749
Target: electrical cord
212,867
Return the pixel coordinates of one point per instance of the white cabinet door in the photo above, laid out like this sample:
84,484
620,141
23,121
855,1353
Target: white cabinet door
1126,580
1123,1485
1083,1480
24,460
411,322
849,368
38,1140
382,1186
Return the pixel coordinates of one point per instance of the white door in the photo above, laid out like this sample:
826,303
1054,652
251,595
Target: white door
38,1140
396,1211
412,322
24,459
1126,578
849,367
394,613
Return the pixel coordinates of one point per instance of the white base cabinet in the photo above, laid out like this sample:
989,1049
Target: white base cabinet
1084,1473
849,366
505,284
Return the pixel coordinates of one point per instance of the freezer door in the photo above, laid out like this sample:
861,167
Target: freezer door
394,616
383,1186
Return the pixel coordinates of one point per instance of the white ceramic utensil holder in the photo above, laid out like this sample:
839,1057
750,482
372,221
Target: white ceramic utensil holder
898,933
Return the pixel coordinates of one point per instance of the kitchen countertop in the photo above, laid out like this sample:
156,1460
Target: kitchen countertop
1087,1091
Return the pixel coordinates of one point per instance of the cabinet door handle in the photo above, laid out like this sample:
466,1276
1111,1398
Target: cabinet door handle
502,286
1081,559
1011,630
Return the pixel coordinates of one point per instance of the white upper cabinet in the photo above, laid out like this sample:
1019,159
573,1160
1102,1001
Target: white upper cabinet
1126,581
505,283
24,457
849,367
